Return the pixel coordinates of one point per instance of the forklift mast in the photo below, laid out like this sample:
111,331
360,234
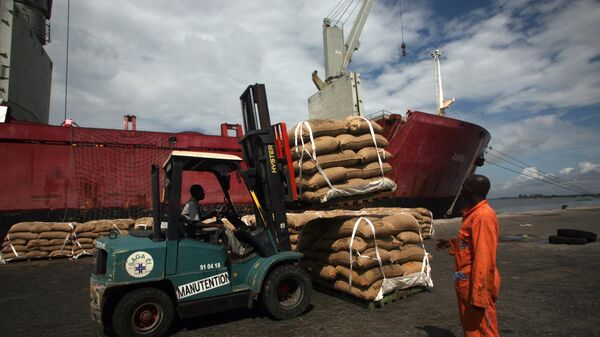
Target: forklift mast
266,151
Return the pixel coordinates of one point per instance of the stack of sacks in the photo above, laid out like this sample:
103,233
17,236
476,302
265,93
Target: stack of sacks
334,158
366,257
86,233
38,239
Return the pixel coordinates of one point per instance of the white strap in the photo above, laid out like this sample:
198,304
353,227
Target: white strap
115,226
359,255
375,144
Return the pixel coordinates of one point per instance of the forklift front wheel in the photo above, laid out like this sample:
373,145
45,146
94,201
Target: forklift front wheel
144,312
286,292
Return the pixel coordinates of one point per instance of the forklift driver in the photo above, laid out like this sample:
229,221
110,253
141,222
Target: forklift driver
191,215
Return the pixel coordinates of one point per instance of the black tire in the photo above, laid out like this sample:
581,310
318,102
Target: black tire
557,239
147,312
576,233
286,292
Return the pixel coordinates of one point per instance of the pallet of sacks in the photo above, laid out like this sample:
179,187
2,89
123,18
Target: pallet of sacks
366,256
339,158
27,240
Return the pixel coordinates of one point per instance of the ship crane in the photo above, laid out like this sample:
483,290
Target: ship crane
340,95
442,104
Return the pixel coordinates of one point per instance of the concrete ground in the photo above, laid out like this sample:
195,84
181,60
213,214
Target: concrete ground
547,290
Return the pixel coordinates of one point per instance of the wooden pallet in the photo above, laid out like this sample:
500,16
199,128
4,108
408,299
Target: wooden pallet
371,305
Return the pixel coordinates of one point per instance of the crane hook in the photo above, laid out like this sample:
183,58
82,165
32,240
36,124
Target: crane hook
403,46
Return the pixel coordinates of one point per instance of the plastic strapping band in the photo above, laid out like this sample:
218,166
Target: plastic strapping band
312,156
425,262
374,240
11,245
115,226
376,147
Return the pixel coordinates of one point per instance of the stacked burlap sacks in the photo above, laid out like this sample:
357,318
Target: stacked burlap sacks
26,240
295,221
345,254
87,232
335,158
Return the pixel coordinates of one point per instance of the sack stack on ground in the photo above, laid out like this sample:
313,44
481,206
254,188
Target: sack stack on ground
366,256
339,158
26,240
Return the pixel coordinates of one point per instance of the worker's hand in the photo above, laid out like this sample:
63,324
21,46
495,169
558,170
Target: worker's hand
442,244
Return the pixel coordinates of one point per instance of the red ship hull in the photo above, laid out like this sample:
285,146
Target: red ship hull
52,173
432,155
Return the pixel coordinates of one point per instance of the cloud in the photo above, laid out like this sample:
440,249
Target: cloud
589,167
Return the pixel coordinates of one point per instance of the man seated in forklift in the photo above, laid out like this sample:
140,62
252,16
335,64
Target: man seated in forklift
192,217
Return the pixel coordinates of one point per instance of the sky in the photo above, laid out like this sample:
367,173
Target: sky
527,71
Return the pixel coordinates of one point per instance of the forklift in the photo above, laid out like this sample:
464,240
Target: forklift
145,280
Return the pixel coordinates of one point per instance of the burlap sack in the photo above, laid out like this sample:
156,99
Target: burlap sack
55,235
402,222
298,220
316,196
324,271
58,253
319,127
351,142
407,253
18,248
373,170
35,254
369,155
409,237
103,226
386,242
362,278
63,226
323,145
357,125
317,180
358,244
7,242
424,220
10,256
87,246
367,259
411,267
91,235
20,227
23,236
363,229
85,240
34,244
39,227
344,158
354,172
367,294
57,247
85,227
123,224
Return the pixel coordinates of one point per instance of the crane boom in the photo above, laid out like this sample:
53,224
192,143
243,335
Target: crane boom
352,42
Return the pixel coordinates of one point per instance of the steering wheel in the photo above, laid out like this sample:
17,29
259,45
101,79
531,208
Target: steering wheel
222,212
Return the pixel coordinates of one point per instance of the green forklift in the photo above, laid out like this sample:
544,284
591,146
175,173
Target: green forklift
143,281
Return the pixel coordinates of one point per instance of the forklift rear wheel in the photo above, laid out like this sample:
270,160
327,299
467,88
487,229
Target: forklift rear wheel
143,312
286,292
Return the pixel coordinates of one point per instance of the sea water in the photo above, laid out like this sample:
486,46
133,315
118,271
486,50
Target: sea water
514,205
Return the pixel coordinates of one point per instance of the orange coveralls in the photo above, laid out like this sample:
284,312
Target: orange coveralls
477,278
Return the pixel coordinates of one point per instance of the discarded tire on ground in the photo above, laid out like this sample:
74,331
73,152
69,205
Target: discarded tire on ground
576,233
564,240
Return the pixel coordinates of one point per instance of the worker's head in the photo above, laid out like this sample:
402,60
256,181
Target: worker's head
197,192
474,190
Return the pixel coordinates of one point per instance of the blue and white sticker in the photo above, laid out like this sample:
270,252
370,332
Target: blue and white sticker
139,264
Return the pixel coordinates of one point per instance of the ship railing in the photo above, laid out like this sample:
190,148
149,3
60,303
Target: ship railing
381,114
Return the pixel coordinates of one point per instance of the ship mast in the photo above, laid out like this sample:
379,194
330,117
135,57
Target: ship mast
441,103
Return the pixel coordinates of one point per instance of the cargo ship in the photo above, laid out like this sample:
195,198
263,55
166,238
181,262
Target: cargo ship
71,173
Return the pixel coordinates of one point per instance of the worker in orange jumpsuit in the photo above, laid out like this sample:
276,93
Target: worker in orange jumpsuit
477,278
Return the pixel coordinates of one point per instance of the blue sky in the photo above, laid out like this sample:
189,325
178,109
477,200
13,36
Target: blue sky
528,71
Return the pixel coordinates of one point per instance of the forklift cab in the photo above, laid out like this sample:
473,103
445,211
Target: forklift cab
222,166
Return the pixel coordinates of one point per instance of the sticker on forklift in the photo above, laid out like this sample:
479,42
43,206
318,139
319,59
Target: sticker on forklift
205,284
139,264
